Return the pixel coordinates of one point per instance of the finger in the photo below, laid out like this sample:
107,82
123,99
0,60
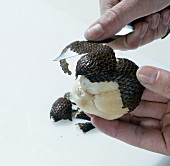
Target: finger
146,138
158,26
164,22
155,79
151,96
132,40
153,21
150,110
143,122
145,32
165,14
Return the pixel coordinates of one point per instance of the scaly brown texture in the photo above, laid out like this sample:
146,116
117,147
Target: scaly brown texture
61,109
83,47
64,65
85,127
99,64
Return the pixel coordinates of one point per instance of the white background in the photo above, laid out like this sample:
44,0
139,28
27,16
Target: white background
32,34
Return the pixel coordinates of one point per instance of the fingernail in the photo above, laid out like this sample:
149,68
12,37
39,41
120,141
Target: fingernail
155,21
147,75
165,19
143,30
94,32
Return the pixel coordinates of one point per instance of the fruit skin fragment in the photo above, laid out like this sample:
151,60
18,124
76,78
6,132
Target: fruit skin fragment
64,65
82,115
86,127
61,109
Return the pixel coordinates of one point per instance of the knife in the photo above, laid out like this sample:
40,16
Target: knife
124,31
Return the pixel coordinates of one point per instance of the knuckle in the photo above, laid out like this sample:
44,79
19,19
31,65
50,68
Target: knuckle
151,35
131,44
165,11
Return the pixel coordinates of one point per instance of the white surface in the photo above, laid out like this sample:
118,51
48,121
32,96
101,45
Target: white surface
32,34
86,11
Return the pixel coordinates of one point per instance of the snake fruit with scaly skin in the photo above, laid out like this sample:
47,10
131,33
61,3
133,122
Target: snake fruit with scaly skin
107,86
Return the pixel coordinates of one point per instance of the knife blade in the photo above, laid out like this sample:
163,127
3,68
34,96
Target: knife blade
124,31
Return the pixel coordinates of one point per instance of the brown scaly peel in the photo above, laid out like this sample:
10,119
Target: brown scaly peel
85,127
107,86
61,109
80,48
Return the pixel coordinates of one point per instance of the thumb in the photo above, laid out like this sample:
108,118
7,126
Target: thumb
113,20
155,79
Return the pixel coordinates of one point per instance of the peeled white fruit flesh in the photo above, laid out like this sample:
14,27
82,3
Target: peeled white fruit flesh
100,99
